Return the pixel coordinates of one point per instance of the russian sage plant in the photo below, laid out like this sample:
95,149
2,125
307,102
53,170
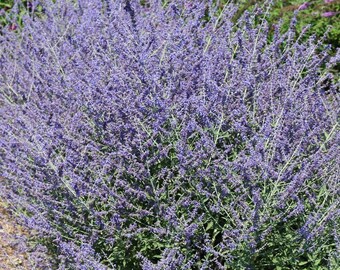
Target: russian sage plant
166,136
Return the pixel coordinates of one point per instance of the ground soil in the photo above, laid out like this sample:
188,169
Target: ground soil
10,255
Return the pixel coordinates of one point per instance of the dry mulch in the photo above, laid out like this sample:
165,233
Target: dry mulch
10,233
13,244
11,257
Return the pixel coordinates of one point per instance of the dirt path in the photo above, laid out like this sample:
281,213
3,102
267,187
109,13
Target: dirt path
13,244
10,255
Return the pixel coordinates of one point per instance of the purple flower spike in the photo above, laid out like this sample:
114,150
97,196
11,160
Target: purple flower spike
329,1
12,27
304,6
329,14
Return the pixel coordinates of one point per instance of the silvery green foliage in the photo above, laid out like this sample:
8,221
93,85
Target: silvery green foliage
151,137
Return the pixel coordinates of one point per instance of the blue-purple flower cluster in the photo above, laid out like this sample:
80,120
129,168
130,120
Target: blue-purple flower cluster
165,136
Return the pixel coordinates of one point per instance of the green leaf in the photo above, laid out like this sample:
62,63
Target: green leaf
157,256
303,263
310,257
317,262
8,5
210,224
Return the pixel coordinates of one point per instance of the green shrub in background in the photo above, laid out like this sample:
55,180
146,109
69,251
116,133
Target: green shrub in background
14,19
6,3
7,18
322,15
4,6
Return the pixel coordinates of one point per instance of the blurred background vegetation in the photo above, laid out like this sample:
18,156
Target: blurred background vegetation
322,15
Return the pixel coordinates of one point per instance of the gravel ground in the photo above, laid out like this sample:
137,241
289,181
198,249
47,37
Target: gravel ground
10,232
13,244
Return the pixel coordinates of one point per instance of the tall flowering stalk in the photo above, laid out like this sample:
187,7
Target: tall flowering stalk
168,137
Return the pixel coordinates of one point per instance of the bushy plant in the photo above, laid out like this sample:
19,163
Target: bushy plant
322,15
150,137
13,20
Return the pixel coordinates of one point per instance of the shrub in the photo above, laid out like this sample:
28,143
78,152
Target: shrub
322,15
21,8
150,137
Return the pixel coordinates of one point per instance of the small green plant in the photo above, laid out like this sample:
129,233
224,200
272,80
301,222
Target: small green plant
321,15
14,20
